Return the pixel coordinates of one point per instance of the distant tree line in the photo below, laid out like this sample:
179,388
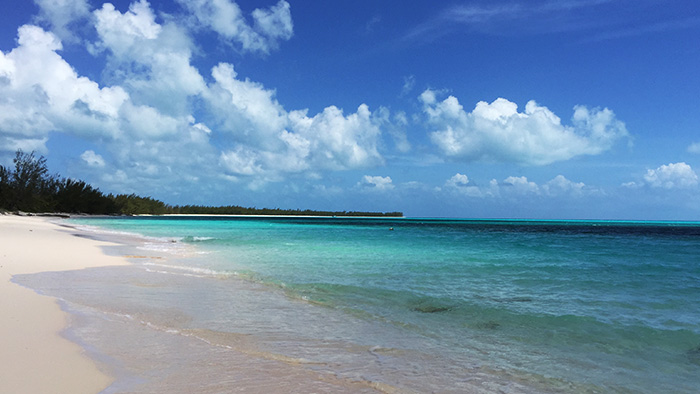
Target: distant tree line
238,210
30,188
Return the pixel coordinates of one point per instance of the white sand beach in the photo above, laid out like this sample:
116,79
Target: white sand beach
35,357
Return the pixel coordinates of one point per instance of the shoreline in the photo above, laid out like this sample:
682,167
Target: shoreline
183,316
37,357
139,343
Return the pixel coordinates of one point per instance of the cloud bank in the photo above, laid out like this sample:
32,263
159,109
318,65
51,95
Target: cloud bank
497,132
517,186
157,114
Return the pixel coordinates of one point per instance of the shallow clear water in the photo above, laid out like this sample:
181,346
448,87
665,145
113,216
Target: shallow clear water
424,304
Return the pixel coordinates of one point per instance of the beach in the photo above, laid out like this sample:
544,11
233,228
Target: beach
65,344
349,305
35,357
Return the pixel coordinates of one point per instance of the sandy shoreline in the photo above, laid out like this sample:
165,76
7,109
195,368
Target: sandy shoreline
138,342
35,357
171,330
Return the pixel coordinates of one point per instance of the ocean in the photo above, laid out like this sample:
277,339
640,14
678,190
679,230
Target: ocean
296,304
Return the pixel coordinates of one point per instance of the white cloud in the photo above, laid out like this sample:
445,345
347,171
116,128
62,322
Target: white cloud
460,183
45,94
514,186
146,122
244,107
497,132
672,176
559,185
286,142
62,15
457,180
241,161
92,159
9,144
520,185
144,119
226,18
340,141
379,183
396,127
121,33
151,61
694,148
408,84
40,92
523,18
275,23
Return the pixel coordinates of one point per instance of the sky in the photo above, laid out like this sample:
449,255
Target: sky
569,109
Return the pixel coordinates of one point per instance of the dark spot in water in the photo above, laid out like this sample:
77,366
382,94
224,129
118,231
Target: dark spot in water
513,299
430,309
694,355
488,325
519,299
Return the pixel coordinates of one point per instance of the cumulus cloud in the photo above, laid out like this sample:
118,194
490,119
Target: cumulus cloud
62,16
460,183
672,176
225,17
92,159
40,92
150,60
521,185
244,107
146,122
560,185
497,132
378,183
517,186
272,140
142,115
340,141
458,180
121,33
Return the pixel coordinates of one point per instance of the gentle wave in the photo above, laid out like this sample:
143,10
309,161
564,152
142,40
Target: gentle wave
188,271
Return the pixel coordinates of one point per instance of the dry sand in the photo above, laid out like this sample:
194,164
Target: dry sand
34,357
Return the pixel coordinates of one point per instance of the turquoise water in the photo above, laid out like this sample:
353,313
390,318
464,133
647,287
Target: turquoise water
558,306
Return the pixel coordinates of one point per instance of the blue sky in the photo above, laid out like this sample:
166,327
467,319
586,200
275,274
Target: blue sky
489,109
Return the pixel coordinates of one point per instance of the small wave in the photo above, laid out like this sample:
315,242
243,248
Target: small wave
163,245
191,238
86,228
147,243
187,271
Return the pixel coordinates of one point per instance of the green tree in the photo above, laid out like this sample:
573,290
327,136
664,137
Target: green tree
5,187
75,196
31,187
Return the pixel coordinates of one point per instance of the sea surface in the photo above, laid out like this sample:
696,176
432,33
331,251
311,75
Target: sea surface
271,304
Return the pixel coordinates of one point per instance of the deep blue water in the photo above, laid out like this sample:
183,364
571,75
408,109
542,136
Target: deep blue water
585,305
